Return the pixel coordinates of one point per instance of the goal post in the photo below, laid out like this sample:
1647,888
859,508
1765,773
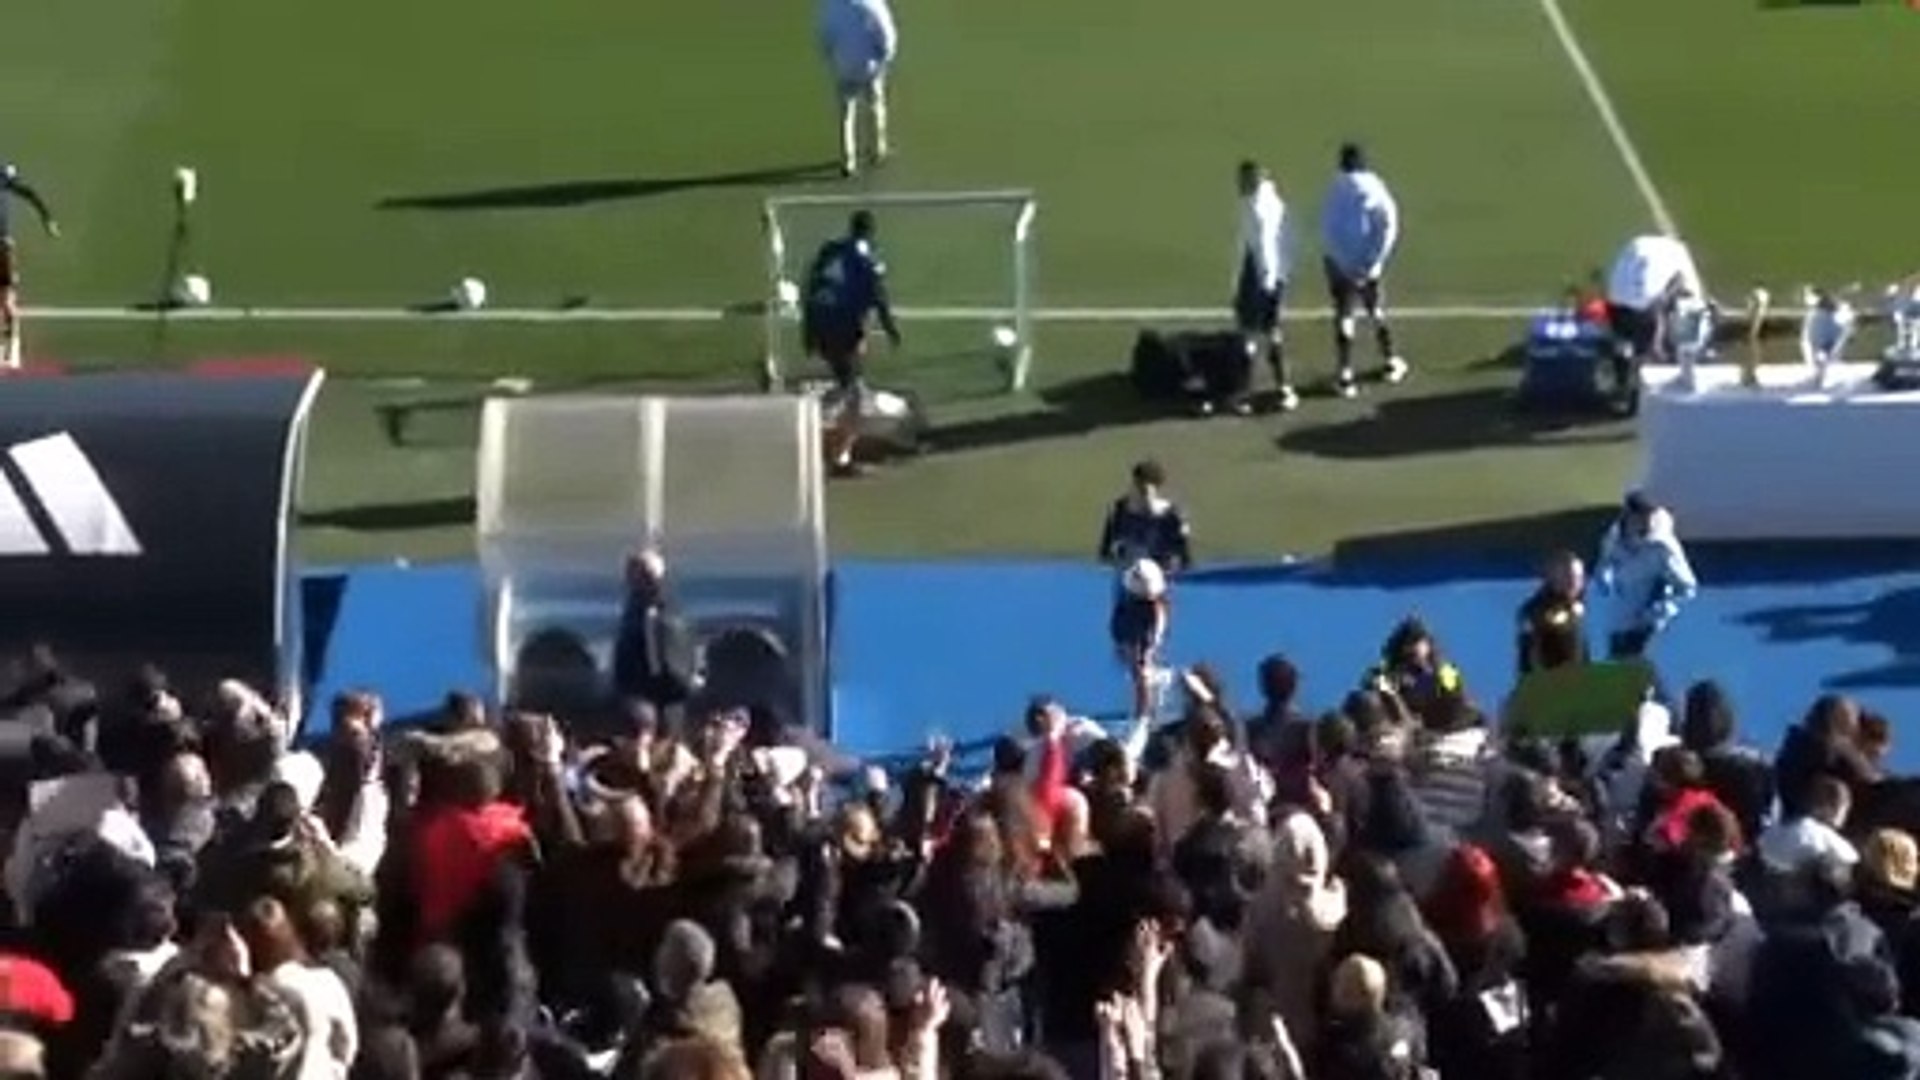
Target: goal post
958,258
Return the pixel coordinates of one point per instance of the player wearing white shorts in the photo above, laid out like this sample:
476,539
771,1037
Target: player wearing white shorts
11,186
859,40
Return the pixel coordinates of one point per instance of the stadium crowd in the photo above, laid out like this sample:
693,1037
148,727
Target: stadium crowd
1395,889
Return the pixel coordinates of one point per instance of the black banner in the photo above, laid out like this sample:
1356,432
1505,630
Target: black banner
146,517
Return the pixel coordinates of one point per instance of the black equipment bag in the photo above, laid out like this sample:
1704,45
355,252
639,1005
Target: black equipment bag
1190,364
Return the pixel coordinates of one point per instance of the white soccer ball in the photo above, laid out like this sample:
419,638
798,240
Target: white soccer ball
470,294
788,294
1144,580
186,185
193,290
1759,298
1005,337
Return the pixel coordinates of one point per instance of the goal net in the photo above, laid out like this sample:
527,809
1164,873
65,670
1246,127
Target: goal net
959,272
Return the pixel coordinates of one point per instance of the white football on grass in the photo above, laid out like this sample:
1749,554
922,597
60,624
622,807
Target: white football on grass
470,294
193,290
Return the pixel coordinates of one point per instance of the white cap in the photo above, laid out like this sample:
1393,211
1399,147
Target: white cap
1144,580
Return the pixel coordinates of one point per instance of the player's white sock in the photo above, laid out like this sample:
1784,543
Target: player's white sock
13,348
849,134
877,101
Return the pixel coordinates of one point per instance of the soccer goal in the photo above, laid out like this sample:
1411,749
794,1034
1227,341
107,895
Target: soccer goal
959,267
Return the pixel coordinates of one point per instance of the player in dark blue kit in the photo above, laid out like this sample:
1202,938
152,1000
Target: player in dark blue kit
846,286
1144,523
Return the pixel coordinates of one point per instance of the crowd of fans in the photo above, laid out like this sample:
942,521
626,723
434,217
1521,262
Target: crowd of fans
1389,891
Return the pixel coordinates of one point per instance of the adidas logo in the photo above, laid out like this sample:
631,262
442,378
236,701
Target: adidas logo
55,503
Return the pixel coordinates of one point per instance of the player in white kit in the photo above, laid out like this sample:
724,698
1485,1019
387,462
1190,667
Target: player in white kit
859,40
11,186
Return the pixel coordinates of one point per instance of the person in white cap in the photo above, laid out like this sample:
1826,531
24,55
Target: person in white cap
1139,628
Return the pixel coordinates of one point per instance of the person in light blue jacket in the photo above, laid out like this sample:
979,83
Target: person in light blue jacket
1643,575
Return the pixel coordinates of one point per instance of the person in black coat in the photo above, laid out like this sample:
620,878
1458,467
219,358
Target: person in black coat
1552,620
654,654
1737,775
1825,743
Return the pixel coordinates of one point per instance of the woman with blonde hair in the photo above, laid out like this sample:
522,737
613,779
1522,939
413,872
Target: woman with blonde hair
1367,1035
1290,928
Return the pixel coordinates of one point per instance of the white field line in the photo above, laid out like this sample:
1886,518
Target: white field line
1609,117
1459,312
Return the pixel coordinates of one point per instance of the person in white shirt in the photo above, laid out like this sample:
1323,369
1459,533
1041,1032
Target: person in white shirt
1260,284
1360,224
1792,845
860,40
275,952
1648,275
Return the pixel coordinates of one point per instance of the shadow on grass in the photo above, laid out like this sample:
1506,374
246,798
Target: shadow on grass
1474,419
394,517
1065,409
570,193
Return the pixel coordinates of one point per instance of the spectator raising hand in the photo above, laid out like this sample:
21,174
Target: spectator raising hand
661,892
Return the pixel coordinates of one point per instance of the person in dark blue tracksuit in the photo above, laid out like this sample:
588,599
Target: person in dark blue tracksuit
846,288
1145,524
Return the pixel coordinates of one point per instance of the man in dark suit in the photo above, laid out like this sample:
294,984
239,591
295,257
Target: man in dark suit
654,657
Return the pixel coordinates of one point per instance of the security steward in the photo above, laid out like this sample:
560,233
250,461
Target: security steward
1553,619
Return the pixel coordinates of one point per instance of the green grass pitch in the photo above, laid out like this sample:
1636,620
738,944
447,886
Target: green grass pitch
368,153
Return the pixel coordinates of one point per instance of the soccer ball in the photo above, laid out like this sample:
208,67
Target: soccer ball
788,294
1005,337
193,290
470,294
1144,580
186,185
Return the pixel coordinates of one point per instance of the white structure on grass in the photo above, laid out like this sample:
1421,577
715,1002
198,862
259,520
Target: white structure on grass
952,257
727,489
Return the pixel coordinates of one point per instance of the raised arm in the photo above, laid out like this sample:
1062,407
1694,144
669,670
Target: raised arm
32,197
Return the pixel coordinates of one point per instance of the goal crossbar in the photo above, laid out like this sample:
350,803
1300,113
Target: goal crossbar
1020,306
1010,196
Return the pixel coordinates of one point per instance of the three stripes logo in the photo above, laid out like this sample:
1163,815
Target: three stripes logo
55,503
